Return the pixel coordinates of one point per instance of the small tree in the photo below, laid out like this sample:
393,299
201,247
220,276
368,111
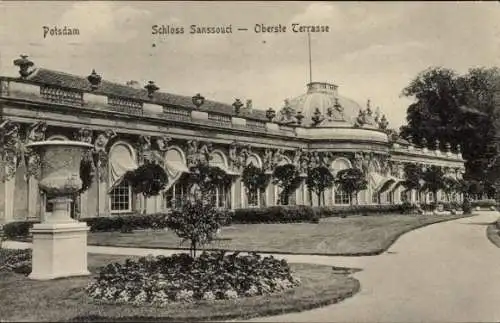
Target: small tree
433,180
413,177
450,185
318,180
197,221
208,178
351,181
255,179
288,179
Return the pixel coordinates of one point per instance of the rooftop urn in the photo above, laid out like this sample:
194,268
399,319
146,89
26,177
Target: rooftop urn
94,80
198,100
24,64
270,114
59,242
383,124
299,116
151,87
237,106
317,117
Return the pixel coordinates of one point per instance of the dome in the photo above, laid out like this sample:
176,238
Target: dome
322,96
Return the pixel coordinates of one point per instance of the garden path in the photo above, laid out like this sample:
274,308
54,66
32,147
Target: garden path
445,272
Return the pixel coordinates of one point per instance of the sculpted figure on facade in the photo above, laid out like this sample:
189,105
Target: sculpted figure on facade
101,152
267,161
10,149
233,155
145,150
84,135
163,143
204,154
192,153
243,156
36,132
325,159
278,156
359,161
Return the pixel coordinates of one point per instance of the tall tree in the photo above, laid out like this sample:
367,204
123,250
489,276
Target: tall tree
459,109
318,180
287,177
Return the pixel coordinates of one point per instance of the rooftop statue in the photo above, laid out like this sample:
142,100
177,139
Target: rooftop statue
287,113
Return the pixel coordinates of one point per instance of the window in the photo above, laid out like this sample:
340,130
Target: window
390,197
175,195
404,196
120,198
220,197
375,198
341,197
253,197
454,197
430,197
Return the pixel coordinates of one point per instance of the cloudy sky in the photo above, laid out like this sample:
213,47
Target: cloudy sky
372,50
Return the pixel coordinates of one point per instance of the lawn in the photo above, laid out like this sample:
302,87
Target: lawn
23,299
356,235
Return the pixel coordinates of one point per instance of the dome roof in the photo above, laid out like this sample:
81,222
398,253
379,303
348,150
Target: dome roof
321,96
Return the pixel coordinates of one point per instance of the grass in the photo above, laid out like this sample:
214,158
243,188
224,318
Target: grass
23,299
356,235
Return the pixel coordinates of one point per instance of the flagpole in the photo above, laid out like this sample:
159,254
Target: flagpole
310,57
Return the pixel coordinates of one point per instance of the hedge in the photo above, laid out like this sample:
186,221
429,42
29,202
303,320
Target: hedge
273,214
484,203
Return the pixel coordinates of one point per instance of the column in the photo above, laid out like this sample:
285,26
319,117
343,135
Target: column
233,194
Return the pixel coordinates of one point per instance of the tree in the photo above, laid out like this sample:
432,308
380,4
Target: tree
433,180
207,177
413,177
318,180
351,181
459,109
148,179
450,186
197,221
287,177
254,179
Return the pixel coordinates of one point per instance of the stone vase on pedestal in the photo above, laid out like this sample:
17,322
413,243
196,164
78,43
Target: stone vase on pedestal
59,242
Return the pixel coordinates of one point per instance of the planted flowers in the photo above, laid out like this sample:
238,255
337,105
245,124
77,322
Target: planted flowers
180,278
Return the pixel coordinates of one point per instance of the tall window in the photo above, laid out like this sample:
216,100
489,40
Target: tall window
253,197
175,195
121,198
375,198
221,197
430,197
341,197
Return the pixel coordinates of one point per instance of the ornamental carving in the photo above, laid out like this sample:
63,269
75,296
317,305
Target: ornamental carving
238,155
10,148
101,152
363,161
319,159
197,155
85,135
267,161
36,132
301,160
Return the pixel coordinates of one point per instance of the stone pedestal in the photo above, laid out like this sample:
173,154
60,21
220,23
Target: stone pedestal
59,250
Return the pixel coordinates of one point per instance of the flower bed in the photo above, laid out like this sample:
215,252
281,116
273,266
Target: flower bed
16,260
181,278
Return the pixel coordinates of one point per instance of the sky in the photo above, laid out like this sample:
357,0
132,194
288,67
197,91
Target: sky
372,50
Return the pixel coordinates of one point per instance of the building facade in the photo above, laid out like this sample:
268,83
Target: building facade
126,123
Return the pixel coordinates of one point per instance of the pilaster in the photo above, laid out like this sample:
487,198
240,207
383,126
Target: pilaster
33,196
9,188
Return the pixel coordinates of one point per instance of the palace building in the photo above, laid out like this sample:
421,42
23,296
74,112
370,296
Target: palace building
126,121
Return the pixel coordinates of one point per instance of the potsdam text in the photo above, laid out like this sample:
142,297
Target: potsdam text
60,31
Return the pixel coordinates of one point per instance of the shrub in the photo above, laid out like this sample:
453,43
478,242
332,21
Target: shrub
466,206
484,203
148,179
274,214
16,230
181,278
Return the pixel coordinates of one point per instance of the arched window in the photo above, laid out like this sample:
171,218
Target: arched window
178,186
121,159
253,196
339,196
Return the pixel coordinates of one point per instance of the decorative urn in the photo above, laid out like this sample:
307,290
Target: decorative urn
60,173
